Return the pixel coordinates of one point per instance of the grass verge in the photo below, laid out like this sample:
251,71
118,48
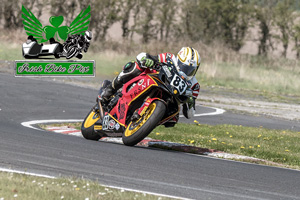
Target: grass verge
20,186
275,79
277,146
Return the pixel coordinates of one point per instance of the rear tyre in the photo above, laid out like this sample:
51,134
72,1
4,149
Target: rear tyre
87,127
138,130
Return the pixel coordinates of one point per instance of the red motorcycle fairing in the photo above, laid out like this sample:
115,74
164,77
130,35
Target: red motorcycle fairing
145,105
130,92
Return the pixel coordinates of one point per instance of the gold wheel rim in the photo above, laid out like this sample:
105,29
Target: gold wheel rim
91,119
132,127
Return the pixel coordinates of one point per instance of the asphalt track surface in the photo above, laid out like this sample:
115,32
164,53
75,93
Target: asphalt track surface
147,169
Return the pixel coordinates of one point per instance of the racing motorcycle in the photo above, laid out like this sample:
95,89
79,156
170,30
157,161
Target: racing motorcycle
146,101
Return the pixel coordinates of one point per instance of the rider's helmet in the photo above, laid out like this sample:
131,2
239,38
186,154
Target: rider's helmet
88,36
188,60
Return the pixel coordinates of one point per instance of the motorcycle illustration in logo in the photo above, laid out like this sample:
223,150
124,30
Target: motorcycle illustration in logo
76,36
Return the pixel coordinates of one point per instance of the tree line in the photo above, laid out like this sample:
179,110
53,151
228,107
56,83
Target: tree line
225,21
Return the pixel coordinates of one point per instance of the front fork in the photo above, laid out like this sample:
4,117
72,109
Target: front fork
101,112
141,111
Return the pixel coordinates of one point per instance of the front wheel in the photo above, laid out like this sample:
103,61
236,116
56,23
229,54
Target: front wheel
139,129
87,127
71,52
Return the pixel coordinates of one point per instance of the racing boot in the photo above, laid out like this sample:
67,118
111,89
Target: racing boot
110,90
106,94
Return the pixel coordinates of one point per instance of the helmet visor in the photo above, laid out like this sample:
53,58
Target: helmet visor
189,70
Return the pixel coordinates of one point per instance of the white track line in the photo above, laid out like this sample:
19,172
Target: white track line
218,111
110,186
26,173
30,123
151,193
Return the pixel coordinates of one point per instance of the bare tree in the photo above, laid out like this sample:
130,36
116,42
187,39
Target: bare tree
136,18
11,11
65,8
263,14
127,6
166,17
104,13
284,20
144,20
296,38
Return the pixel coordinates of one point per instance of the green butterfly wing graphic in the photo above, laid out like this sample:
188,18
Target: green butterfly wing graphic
81,23
33,26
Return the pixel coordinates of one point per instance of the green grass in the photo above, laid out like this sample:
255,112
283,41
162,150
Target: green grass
274,79
273,145
20,186
279,146
251,77
10,52
107,63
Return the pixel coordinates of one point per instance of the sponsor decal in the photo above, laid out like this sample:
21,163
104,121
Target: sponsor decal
57,68
141,82
117,126
196,86
167,71
146,84
105,122
111,124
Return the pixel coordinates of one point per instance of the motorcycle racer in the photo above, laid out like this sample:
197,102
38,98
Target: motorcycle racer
80,42
187,63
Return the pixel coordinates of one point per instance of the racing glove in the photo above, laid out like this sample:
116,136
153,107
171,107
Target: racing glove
147,62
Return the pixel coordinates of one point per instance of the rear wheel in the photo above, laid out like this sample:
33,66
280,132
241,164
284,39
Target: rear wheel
139,129
87,127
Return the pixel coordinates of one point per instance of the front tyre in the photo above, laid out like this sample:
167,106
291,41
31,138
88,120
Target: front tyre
87,127
139,129
71,52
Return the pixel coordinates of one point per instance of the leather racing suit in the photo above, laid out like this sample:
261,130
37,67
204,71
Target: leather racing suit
135,68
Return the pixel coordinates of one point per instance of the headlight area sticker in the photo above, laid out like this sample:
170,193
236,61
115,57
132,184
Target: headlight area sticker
76,68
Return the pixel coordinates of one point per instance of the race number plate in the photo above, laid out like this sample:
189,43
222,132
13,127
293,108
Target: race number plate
179,84
105,122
